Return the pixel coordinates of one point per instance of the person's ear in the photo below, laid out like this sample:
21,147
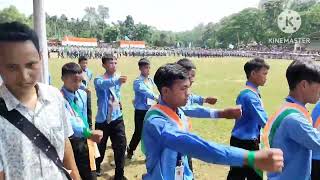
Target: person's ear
165,91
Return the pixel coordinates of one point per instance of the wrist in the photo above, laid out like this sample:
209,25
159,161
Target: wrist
251,159
87,133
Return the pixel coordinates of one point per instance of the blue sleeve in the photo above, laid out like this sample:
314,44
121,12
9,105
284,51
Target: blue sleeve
101,83
76,127
90,75
197,99
139,86
198,111
190,144
302,132
256,110
85,105
316,113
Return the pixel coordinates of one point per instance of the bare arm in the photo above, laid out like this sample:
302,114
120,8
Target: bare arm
69,162
1,175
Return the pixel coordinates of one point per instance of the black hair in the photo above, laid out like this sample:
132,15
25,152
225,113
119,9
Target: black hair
300,70
186,63
167,74
143,62
255,64
71,68
18,32
107,58
82,58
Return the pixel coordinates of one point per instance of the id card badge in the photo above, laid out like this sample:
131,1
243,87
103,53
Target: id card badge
113,92
151,102
179,171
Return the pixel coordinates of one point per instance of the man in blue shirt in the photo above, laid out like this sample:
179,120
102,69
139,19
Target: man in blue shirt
290,129
87,77
87,73
315,171
193,98
109,117
76,108
167,142
246,131
144,98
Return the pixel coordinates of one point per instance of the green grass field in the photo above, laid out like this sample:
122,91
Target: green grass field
219,77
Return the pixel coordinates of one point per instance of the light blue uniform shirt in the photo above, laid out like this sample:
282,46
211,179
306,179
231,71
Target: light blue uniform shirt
143,89
253,116
103,90
163,140
315,115
80,98
296,138
88,75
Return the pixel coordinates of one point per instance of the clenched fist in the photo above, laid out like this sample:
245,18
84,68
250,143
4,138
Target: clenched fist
269,160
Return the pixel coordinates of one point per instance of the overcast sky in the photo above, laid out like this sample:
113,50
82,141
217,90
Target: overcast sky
176,15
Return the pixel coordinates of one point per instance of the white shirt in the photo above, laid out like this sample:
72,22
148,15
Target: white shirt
19,157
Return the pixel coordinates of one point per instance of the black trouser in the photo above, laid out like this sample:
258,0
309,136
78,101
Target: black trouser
81,155
241,173
89,110
116,131
315,172
138,125
190,163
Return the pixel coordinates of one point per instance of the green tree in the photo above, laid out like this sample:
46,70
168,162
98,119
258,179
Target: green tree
12,14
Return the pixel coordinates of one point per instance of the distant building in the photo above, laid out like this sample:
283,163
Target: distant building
131,44
76,41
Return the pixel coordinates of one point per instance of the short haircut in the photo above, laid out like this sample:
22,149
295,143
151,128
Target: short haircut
70,69
143,62
167,74
186,63
82,58
300,70
107,58
255,64
18,32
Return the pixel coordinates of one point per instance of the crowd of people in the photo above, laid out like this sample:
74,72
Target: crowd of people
51,134
74,52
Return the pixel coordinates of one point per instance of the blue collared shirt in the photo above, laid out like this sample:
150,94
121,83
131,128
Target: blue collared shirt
315,115
163,140
253,118
80,98
88,75
143,90
195,99
194,108
103,87
296,138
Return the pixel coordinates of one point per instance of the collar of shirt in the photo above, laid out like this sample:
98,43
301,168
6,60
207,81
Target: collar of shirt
143,78
250,84
68,94
293,100
12,102
109,76
163,103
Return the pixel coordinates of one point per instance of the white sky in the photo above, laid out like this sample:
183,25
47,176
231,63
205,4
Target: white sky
175,15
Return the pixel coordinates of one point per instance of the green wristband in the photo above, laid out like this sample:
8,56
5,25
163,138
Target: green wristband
251,159
87,132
